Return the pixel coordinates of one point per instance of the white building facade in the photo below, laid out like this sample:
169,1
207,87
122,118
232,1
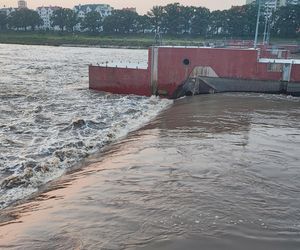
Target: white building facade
45,14
103,9
81,10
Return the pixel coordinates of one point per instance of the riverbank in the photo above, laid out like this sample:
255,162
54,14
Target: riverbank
218,171
107,41
84,40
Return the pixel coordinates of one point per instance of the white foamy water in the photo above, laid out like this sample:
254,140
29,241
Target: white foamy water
50,120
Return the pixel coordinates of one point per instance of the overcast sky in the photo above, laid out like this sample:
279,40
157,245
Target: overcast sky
142,5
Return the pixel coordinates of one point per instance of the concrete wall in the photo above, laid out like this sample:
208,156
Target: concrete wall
295,73
176,64
264,74
120,80
226,63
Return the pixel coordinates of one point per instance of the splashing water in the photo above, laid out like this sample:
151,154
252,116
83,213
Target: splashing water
49,120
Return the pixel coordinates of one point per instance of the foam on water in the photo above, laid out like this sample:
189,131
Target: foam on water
49,120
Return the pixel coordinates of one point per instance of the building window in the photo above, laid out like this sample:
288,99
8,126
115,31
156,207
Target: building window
274,67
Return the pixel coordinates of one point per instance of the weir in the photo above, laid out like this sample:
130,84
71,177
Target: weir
173,72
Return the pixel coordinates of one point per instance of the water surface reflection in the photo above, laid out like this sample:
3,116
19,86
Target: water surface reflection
211,172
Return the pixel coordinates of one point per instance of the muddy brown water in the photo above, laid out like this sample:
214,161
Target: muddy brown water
211,172
50,120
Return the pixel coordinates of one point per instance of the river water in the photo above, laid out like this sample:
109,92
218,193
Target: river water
209,172
49,120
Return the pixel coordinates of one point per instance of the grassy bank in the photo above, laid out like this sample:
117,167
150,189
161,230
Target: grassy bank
58,39
131,41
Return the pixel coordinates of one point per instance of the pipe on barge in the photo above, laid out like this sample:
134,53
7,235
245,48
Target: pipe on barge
177,71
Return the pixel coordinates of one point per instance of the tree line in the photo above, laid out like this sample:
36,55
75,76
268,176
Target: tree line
172,19
21,19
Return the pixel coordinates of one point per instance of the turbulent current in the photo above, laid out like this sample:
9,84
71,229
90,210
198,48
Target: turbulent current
50,120
203,172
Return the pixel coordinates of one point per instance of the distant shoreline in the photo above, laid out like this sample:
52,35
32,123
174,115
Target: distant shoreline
140,41
129,41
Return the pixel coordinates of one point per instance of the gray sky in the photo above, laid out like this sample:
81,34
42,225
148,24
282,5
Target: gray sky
142,5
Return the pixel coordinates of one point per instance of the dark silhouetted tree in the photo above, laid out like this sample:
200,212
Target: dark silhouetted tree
59,18
286,21
65,19
172,19
156,17
3,21
71,19
200,21
92,21
121,21
218,23
32,18
24,19
143,24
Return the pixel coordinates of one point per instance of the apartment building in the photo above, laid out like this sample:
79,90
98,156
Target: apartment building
103,9
81,10
46,12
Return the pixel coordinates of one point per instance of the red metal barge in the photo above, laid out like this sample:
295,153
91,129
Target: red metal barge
177,71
